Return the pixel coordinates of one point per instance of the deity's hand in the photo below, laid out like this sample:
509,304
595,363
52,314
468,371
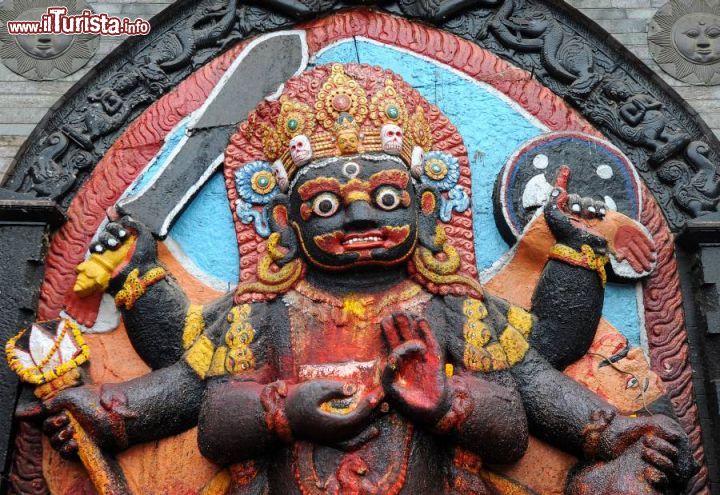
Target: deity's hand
567,217
628,474
144,251
664,447
100,411
414,377
312,416
121,247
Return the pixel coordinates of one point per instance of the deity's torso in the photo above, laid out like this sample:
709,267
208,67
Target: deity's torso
340,338
310,334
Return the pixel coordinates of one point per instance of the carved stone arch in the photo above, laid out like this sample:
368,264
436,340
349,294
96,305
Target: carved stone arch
674,152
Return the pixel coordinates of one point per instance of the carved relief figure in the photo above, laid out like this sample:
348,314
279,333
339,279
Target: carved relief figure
359,354
639,119
533,29
109,106
698,192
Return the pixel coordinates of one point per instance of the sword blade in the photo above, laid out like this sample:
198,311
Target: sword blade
259,72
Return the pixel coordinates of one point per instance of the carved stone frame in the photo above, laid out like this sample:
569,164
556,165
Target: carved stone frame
78,131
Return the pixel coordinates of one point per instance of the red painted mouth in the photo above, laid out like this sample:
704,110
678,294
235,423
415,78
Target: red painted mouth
338,242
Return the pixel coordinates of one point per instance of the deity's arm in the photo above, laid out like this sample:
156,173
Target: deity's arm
484,411
162,324
156,312
233,424
567,307
559,409
156,320
487,417
241,416
256,402
570,417
156,405
162,403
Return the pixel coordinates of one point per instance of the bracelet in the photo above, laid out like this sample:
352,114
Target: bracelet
460,408
272,399
585,258
135,286
593,432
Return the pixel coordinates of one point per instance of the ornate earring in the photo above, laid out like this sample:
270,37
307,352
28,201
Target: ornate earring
442,268
271,277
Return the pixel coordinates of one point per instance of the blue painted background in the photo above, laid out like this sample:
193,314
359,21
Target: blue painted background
492,127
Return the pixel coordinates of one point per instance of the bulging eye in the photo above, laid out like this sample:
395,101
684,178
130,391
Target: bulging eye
692,33
632,382
325,204
387,198
713,32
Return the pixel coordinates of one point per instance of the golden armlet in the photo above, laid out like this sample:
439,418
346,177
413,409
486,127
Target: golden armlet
135,286
585,258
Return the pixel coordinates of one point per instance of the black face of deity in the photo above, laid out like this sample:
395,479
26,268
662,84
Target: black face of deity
355,212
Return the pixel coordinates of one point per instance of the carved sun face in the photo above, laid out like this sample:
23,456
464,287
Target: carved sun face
685,40
47,56
697,38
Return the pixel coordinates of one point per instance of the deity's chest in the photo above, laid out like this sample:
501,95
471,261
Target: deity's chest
333,337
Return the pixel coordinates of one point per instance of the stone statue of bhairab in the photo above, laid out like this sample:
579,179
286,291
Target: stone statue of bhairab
359,354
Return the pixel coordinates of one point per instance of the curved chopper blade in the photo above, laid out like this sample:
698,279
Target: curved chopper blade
258,72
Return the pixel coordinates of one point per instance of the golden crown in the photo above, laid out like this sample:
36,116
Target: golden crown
344,120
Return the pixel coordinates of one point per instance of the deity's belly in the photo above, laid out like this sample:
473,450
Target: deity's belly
396,459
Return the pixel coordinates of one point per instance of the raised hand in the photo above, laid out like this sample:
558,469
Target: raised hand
310,418
632,244
121,247
569,216
414,377
125,229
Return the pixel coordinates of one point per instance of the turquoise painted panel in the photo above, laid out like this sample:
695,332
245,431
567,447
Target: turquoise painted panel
171,142
621,309
206,234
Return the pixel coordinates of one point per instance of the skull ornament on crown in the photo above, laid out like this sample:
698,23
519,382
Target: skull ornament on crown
300,150
281,175
391,137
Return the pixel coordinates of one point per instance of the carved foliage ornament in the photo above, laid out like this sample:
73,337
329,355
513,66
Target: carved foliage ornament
684,40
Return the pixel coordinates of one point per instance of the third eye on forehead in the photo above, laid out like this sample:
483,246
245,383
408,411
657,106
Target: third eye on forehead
355,168
351,170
